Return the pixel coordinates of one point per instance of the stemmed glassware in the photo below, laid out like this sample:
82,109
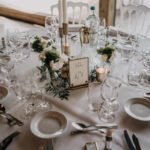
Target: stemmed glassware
17,43
38,87
51,25
110,104
102,33
18,51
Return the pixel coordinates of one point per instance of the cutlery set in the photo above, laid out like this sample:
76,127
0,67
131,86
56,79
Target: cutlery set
11,119
5,143
135,145
82,128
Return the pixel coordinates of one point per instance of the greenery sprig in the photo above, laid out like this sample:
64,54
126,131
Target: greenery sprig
92,76
58,85
107,50
38,45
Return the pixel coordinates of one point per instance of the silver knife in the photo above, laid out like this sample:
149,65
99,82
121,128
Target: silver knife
128,141
136,142
4,144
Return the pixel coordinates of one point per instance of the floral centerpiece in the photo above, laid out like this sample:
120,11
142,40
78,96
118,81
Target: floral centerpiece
55,64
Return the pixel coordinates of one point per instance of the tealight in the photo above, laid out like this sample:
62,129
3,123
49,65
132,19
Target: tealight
101,74
66,48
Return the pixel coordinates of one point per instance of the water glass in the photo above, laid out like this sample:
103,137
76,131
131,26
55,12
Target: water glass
94,97
126,52
146,58
145,78
134,78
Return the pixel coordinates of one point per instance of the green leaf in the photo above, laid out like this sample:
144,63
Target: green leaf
37,45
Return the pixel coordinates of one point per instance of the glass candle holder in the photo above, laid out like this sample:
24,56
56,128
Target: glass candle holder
101,74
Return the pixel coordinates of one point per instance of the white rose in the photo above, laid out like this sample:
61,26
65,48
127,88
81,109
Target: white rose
64,58
58,65
51,64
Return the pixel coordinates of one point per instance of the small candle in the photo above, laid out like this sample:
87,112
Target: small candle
66,48
101,74
108,140
65,11
60,13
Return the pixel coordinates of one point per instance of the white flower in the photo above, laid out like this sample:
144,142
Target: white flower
56,75
44,42
64,58
48,48
51,64
58,65
42,55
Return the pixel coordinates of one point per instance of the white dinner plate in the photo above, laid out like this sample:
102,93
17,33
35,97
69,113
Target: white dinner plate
138,108
3,93
48,125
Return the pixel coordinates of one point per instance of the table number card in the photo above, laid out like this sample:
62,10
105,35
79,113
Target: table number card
78,72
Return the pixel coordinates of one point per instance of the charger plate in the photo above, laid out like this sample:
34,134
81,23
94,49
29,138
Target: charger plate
138,108
48,125
3,93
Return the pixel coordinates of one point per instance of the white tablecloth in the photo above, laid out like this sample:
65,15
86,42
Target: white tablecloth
75,109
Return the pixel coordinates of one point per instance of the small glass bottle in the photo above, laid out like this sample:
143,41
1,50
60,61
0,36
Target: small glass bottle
108,140
92,22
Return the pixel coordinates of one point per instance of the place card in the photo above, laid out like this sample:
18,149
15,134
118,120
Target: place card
79,72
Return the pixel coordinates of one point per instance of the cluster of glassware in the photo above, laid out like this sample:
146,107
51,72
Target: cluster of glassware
28,89
133,55
104,101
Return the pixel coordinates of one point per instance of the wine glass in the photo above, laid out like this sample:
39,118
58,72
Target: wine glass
39,87
6,67
51,25
109,94
102,23
16,39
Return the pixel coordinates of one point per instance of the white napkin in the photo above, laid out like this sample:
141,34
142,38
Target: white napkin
2,34
2,30
75,27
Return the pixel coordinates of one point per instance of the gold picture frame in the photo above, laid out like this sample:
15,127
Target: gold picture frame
78,72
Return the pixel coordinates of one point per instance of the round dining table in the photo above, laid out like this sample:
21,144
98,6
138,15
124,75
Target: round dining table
75,109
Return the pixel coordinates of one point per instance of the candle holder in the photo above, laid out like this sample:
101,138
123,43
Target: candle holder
66,49
66,46
61,38
65,31
101,74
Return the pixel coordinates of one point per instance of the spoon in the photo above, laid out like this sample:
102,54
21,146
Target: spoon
9,117
147,95
81,126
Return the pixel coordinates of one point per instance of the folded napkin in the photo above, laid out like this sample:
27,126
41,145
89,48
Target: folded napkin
113,31
2,31
2,35
75,27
